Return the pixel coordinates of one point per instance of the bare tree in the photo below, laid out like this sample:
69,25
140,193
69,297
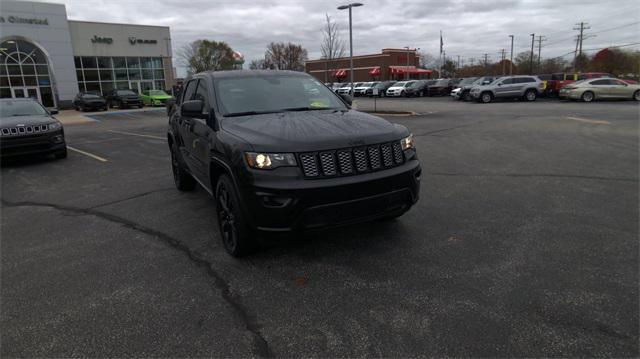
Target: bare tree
205,55
332,46
281,56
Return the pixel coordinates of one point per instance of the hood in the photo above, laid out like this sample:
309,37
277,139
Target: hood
14,121
96,99
161,97
396,88
312,130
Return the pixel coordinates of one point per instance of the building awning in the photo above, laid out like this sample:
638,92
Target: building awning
340,74
399,70
375,71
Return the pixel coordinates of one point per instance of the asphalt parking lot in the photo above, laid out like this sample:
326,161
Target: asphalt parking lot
524,243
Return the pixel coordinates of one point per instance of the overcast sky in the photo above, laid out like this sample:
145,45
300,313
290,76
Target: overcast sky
470,28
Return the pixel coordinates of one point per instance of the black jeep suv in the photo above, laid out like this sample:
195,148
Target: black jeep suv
123,99
280,152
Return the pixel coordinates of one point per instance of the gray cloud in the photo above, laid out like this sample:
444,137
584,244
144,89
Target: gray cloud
470,28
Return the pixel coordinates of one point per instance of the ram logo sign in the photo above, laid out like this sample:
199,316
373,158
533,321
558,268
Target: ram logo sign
133,40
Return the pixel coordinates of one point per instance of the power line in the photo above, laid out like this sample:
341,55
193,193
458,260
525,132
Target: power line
616,28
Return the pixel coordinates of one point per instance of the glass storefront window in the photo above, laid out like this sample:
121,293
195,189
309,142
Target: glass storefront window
146,62
133,62
104,62
30,81
5,92
106,75
158,74
13,69
122,85
28,70
47,97
157,63
119,63
106,87
147,74
89,62
81,86
77,61
44,81
79,75
42,69
16,81
3,70
134,74
121,74
92,86
91,75
4,81
160,85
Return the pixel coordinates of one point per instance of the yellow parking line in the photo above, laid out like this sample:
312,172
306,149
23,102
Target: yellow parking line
88,154
597,122
137,134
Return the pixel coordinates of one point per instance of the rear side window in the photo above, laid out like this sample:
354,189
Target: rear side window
600,82
189,90
203,95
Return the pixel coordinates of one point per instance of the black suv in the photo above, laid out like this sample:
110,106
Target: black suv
27,128
89,101
123,99
280,152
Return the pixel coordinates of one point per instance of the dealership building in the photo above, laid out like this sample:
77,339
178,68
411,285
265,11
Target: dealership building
48,57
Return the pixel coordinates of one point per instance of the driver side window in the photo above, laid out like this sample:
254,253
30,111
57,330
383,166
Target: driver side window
189,90
203,95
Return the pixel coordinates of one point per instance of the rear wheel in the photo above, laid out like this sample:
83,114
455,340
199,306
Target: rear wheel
466,96
181,178
236,235
530,95
636,95
588,96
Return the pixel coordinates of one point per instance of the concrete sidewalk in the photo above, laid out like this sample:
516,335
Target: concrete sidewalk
73,117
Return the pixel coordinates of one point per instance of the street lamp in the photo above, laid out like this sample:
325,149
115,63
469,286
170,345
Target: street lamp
344,7
511,58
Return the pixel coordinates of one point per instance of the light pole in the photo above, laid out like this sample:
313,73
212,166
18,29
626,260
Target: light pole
344,7
533,39
511,58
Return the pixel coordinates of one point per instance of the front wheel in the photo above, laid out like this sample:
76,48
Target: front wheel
236,235
636,95
486,97
466,96
587,96
181,178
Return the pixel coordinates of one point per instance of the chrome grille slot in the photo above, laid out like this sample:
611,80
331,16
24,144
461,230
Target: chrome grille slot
328,164
397,152
309,164
374,157
360,157
344,159
387,156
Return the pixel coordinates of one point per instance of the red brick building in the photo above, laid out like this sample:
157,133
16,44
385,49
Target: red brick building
391,64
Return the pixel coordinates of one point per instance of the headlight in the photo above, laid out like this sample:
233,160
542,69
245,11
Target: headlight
268,161
54,126
407,142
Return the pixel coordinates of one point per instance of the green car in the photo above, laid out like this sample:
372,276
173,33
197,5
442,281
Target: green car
154,97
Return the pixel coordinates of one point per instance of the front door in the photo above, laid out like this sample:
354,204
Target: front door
26,92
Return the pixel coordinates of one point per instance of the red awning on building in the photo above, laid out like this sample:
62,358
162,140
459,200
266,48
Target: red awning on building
375,71
340,74
399,70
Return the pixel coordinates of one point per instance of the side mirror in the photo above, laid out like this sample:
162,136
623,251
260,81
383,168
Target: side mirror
53,111
192,108
500,84
346,98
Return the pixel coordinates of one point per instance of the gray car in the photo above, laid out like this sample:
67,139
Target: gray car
525,87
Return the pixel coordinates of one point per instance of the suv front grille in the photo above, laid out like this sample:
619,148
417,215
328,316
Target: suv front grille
23,130
349,161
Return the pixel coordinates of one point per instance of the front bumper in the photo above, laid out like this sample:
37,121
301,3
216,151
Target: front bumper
94,105
12,146
302,204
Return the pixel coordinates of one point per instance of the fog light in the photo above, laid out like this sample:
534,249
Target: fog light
58,139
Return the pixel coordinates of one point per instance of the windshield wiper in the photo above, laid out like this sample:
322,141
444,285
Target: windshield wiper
248,113
24,114
306,109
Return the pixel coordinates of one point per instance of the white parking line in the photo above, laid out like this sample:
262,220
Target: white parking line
137,134
87,154
596,122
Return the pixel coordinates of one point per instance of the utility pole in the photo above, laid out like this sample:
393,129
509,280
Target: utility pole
580,38
502,59
472,60
511,58
458,61
344,7
533,38
485,63
540,40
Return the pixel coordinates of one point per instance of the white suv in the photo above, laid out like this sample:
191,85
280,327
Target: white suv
398,89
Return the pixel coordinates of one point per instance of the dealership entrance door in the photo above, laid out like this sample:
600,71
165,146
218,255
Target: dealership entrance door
139,86
26,92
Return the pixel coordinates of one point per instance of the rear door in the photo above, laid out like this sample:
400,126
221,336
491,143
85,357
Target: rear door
601,88
620,89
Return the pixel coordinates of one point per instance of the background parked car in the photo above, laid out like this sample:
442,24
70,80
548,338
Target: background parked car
123,99
525,87
456,93
398,89
600,89
466,89
346,88
361,90
382,88
154,97
89,101
441,87
417,89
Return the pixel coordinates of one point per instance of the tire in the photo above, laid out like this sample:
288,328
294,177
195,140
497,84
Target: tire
182,179
530,95
61,154
486,97
382,94
636,95
466,96
587,96
404,94
237,238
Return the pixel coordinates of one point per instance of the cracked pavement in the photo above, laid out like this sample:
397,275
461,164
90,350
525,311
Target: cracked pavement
524,243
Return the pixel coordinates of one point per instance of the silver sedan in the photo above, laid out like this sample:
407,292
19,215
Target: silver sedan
600,89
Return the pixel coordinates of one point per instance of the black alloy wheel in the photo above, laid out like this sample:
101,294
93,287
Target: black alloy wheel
236,236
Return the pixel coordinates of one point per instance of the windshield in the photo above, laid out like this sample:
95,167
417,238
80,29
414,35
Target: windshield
467,81
267,94
125,93
90,95
495,80
157,93
21,108
442,83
